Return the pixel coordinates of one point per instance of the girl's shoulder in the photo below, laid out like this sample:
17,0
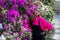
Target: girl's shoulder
42,18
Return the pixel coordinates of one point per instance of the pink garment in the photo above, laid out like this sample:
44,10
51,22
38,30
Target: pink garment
44,24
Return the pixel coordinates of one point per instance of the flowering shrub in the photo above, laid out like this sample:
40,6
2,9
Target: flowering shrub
14,18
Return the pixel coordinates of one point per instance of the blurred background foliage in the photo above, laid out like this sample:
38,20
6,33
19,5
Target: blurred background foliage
48,2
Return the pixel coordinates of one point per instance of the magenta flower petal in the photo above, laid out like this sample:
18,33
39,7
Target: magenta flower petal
13,1
16,38
2,1
14,6
29,12
20,32
6,27
25,23
12,14
21,2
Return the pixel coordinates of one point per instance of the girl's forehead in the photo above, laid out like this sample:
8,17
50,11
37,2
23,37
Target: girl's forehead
38,10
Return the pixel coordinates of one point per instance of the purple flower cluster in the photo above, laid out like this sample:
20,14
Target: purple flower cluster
17,12
12,14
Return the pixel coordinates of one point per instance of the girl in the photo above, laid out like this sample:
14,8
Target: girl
39,25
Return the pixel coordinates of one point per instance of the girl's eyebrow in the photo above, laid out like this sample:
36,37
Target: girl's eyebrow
37,10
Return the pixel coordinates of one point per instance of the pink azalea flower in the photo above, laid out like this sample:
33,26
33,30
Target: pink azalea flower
12,14
14,6
21,2
20,33
29,12
13,1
